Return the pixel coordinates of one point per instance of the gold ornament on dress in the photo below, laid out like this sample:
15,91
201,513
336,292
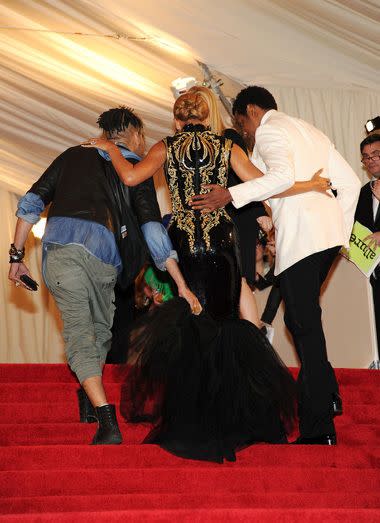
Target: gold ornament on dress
213,154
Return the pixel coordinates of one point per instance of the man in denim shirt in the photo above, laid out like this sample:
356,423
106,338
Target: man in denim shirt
91,213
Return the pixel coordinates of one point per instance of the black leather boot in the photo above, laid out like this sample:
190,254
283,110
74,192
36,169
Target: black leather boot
108,432
87,412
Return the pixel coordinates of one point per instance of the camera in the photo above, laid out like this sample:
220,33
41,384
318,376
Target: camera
373,124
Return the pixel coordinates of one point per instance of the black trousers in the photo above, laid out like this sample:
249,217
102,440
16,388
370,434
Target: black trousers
272,305
300,287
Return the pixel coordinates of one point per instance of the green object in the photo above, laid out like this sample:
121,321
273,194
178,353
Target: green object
164,288
364,257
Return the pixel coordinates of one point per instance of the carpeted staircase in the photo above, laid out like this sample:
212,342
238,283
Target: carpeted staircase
49,472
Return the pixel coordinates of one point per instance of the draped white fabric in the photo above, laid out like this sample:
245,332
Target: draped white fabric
320,58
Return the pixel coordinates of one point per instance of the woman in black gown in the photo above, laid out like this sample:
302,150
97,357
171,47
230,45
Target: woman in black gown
211,383
244,219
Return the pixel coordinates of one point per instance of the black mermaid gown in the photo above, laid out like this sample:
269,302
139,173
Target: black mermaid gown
211,384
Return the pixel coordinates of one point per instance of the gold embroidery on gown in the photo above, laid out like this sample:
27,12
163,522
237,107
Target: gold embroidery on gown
195,159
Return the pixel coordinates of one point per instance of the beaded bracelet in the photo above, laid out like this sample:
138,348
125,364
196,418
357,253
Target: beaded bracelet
16,255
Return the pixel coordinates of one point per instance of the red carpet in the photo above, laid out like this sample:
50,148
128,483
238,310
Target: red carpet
49,472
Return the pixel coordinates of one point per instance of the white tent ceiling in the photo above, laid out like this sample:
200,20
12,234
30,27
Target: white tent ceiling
321,59
54,83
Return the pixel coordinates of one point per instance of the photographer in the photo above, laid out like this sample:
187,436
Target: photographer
368,210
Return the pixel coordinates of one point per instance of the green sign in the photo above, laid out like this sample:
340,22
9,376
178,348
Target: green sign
364,257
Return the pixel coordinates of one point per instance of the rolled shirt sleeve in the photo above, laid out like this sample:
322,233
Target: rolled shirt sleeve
30,207
273,148
159,243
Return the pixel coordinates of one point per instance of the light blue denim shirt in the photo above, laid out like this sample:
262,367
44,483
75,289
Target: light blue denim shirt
94,237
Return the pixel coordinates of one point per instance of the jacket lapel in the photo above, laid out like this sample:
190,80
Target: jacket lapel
368,207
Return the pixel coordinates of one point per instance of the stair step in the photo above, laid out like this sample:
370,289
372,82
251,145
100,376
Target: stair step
50,472
63,433
49,392
52,372
54,392
182,480
68,412
174,501
60,372
82,433
148,456
209,515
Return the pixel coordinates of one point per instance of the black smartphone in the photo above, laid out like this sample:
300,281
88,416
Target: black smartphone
32,284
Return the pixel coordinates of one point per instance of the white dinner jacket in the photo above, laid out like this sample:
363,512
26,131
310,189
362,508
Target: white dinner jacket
287,150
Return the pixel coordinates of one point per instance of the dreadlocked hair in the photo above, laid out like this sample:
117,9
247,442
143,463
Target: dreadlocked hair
119,119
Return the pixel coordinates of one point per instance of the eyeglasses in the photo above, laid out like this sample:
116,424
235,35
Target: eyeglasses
375,158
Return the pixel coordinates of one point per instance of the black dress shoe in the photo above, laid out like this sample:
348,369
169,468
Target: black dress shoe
325,439
337,405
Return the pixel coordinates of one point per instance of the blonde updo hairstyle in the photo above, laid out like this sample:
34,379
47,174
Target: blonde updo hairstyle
190,106
215,120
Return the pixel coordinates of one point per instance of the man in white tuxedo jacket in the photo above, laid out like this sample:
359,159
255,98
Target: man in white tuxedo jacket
310,228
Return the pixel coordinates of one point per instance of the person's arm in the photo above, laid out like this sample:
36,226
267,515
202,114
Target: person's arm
146,208
243,166
317,184
165,257
183,289
130,174
17,269
29,211
274,148
144,201
218,196
45,186
159,243
246,171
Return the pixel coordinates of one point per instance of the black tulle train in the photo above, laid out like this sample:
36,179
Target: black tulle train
210,384
209,387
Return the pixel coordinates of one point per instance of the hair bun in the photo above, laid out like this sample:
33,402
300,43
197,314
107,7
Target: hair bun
190,106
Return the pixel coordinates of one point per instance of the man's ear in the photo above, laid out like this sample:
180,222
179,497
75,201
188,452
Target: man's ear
251,110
